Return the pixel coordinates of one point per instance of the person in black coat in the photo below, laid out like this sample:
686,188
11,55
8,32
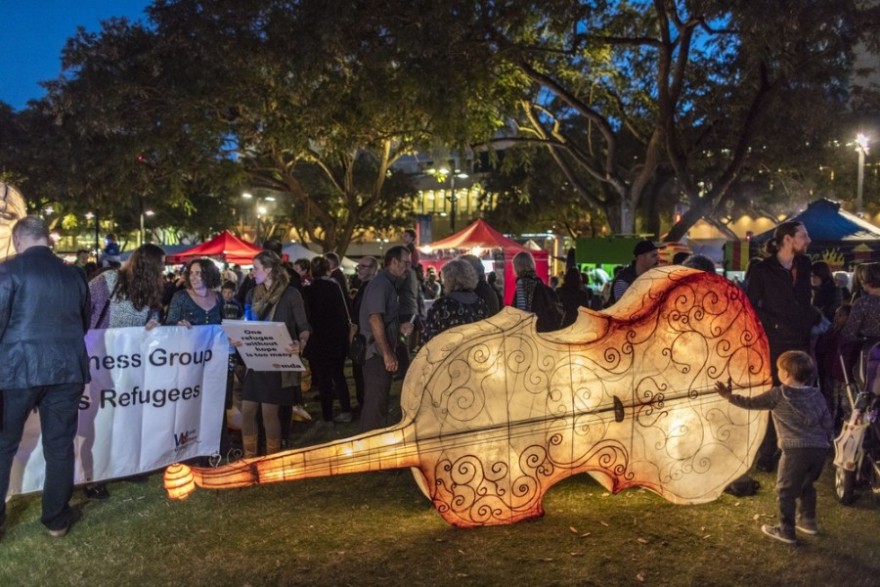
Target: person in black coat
327,308
572,295
44,315
826,295
780,292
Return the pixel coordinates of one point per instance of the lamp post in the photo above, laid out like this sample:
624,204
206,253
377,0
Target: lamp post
862,142
259,211
453,203
143,233
90,216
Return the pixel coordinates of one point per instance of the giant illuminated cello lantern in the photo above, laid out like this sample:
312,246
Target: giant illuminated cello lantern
495,414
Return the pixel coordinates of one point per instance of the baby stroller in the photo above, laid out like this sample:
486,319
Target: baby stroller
857,449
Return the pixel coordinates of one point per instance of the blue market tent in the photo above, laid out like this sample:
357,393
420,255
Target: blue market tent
838,236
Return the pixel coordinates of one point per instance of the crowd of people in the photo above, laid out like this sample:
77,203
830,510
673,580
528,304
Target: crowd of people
392,307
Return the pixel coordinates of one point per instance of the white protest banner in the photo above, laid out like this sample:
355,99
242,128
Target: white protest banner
262,345
156,398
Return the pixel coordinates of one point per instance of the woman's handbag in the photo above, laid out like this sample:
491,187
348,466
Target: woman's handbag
352,327
357,350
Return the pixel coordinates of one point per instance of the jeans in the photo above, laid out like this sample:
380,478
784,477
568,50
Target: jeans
59,410
377,389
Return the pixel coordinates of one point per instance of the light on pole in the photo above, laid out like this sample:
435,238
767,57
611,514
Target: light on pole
143,231
441,174
862,142
259,211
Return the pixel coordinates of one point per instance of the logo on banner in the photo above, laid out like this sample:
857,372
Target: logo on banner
181,439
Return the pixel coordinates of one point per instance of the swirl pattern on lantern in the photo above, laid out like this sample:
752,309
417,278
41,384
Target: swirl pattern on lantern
626,395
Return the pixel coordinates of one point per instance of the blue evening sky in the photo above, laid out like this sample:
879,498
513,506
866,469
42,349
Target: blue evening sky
33,32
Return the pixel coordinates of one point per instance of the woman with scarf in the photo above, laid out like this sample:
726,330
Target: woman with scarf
271,300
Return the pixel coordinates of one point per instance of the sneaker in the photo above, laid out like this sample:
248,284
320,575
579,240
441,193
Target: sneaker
61,533
777,533
807,526
300,414
343,418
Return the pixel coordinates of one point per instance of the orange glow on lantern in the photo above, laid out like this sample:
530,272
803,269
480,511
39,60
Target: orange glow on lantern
179,481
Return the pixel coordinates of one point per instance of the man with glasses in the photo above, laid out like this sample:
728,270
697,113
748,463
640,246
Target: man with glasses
379,322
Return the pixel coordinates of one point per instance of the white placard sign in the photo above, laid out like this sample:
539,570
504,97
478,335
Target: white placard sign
156,398
262,345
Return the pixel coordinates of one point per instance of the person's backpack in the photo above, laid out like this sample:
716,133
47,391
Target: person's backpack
547,307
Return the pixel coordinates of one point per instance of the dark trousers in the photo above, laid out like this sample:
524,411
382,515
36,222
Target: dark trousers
357,372
59,409
329,374
377,388
799,468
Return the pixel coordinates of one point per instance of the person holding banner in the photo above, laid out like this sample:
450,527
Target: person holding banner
44,315
199,302
132,294
126,297
272,300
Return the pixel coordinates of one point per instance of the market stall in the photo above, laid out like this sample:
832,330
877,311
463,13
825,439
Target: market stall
493,248
224,247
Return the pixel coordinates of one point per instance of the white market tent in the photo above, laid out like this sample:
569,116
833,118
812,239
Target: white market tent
296,251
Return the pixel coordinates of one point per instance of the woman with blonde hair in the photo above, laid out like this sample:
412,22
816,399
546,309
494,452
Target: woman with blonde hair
271,300
531,295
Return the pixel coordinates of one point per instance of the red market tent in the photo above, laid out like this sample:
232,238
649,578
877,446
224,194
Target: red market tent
225,246
480,238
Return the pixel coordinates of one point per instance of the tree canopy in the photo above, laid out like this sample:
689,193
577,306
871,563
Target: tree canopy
636,105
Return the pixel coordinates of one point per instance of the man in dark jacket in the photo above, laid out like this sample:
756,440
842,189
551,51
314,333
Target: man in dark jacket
644,258
44,315
779,290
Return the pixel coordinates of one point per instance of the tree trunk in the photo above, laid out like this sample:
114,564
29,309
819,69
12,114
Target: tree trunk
688,219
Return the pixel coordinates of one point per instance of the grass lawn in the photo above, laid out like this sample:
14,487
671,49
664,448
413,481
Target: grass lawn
378,529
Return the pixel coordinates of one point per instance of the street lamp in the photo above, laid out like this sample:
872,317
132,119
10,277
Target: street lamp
259,209
862,142
143,232
443,172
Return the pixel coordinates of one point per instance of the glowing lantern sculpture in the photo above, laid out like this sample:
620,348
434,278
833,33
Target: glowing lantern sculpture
12,207
494,414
